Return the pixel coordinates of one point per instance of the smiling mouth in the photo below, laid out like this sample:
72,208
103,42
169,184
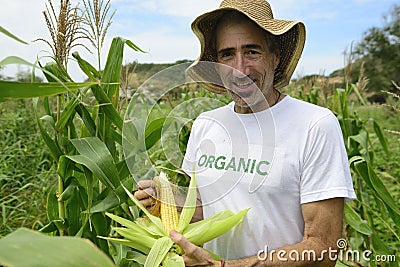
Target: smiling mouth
244,87
243,84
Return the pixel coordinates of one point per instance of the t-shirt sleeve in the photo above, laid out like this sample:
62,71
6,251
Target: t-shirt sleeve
325,173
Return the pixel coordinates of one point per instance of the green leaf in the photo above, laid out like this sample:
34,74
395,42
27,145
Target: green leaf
381,137
143,240
52,203
362,139
136,256
133,46
112,199
149,226
55,151
125,222
126,242
102,228
17,90
158,251
112,69
190,205
9,34
86,67
355,221
89,188
54,71
153,132
106,106
382,192
86,118
380,248
69,190
157,221
99,170
29,248
97,158
362,169
49,228
203,231
173,260
360,97
67,114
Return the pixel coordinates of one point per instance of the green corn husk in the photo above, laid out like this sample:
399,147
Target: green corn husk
148,235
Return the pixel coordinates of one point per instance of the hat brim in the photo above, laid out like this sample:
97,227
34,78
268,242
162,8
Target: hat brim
291,36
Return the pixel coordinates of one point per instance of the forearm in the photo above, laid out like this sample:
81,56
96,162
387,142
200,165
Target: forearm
309,252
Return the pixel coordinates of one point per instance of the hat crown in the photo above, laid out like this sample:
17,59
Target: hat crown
248,7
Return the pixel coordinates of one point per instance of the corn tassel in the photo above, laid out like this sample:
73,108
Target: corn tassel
168,211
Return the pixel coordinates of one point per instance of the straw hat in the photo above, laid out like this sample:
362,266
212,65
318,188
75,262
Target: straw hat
291,35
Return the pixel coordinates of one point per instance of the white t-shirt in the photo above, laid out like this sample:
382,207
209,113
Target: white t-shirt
272,162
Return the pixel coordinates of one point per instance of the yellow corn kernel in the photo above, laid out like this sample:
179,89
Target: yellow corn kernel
168,211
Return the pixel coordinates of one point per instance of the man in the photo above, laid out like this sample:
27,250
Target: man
281,157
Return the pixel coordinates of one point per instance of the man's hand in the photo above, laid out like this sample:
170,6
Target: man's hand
194,255
146,193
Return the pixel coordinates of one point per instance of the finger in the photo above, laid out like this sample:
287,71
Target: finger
179,239
145,193
145,184
147,202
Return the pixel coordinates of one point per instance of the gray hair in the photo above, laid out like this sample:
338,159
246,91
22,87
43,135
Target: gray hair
234,16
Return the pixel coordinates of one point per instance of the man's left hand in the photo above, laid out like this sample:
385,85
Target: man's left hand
194,255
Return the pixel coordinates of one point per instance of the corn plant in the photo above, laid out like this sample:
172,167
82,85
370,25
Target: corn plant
393,106
75,205
373,220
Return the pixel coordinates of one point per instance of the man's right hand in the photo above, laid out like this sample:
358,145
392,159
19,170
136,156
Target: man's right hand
146,193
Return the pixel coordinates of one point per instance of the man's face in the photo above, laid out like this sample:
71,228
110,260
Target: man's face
249,77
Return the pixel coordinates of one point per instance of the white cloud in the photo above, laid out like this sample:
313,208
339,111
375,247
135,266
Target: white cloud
181,8
162,46
25,20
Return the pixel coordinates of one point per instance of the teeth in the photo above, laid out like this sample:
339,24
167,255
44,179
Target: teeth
243,84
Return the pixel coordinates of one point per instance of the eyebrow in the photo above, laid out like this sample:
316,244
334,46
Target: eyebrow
248,46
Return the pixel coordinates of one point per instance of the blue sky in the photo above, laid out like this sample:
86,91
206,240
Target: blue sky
162,28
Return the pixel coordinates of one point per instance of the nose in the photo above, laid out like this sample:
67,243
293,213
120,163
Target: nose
240,66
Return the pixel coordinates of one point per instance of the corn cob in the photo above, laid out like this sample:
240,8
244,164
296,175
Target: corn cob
168,210
157,244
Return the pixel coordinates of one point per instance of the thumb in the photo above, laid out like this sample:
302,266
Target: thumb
182,241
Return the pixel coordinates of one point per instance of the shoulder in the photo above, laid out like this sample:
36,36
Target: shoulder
308,112
300,105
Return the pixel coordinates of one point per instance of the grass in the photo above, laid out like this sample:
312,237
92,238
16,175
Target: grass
26,169
388,119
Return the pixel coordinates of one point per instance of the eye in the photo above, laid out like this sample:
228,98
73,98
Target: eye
253,54
225,55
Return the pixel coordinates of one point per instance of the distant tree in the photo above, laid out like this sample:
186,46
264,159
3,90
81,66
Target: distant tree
26,76
380,51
